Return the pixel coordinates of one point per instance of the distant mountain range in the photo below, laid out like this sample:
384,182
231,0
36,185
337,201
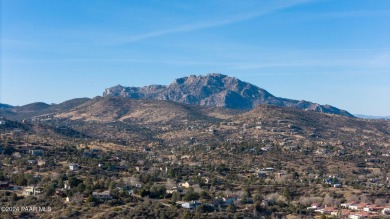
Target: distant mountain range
217,90
371,117
38,108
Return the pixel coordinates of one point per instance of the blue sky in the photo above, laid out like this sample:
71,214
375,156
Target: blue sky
326,51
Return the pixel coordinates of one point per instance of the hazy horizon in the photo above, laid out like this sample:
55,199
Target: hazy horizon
328,52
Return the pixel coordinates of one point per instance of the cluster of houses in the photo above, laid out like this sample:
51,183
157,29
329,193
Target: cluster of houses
27,191
353,210
333,181
224,201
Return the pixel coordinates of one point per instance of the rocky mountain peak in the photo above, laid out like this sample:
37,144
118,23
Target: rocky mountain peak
216,89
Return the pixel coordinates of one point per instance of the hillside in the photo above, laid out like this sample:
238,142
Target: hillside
39,108
110,109
5,106
140,120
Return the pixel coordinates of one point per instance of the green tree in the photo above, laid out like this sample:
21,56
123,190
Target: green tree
81,187
231,209
14,197
286,193
144,192
49,189
175,197
21,181
190,196
198,212
91,199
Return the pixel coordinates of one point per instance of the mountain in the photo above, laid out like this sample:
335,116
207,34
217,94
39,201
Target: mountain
32,107
114,109
39,108
371,117
5,106
140,122
217,90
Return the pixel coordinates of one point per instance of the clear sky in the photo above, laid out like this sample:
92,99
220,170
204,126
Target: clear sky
326,51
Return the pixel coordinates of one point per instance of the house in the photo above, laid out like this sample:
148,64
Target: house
362,215
268,169
313,206
38,191
335,213
281,174
74,166
190,205
230,199
326,210
60,193
41,163
262,174
4,185
267,148
141,169
66,185
175,189
32,162
36,152
102,196
322,151
372,208
29,190
361,206
212,131
188,184
345,213
346,205
353,206
337,185
147,149
14,188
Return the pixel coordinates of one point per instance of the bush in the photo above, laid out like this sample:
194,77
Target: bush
191,196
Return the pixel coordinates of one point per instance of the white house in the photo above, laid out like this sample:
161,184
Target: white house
360,215
354,206
190,205
346,205
74,166
29,190
337,185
